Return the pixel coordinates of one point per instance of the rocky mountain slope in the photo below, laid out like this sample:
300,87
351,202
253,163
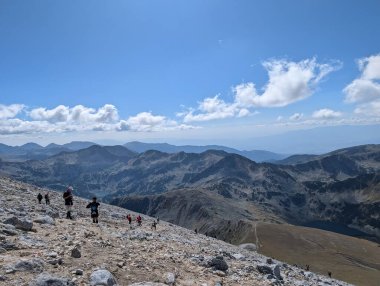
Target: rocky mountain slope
38,247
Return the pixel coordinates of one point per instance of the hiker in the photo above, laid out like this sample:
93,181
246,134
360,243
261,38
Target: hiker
154,225
68,197
47,199
196,231
139,220
307,267
329,273
39,197
158,220
94,210
129,218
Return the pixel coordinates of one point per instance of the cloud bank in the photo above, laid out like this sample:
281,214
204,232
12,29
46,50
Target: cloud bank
80,118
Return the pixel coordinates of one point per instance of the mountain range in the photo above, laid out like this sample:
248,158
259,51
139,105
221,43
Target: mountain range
33,151
228,196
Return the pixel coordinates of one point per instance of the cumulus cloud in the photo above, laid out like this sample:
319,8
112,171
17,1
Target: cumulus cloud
213,108
81,118
79,113
10,111
365,90
296,116
146,121
326,113
369,109
288,82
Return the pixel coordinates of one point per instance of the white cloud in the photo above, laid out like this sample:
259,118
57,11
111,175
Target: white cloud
79,113
10,111
213,108
326,113
296,116
81,118
369,109
365,90
146,121
58,114
288,82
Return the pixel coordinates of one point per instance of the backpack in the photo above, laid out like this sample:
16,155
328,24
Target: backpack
94,209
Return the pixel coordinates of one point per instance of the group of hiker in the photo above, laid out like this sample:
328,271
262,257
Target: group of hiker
47,198
93,206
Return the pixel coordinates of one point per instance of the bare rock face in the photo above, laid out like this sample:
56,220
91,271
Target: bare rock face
102,277
22,224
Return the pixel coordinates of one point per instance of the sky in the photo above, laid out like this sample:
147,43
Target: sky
186,72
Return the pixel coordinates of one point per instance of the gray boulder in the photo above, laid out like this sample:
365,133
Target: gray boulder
46,279
248,246
102,277
218,263
8,229
264,269
45,219
23,224
170,278
33,265
277,272
75,252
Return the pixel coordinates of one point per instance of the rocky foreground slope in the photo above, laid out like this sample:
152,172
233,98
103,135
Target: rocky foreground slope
39,247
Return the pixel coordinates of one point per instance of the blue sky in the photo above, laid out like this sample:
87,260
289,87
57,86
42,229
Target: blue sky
185,71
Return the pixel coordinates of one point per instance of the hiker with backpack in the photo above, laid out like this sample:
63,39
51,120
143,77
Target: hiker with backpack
139,220
47,199
68,197
93,206
129,218
39,198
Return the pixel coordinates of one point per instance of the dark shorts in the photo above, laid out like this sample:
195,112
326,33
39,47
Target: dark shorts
93,215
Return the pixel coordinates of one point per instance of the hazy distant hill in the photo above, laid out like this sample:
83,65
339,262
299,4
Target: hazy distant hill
33,151
255,155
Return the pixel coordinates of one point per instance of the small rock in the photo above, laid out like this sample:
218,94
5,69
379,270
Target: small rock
264,269
147,284
238,256
170,278
102,277
220,273
269,261
75,252
79,272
